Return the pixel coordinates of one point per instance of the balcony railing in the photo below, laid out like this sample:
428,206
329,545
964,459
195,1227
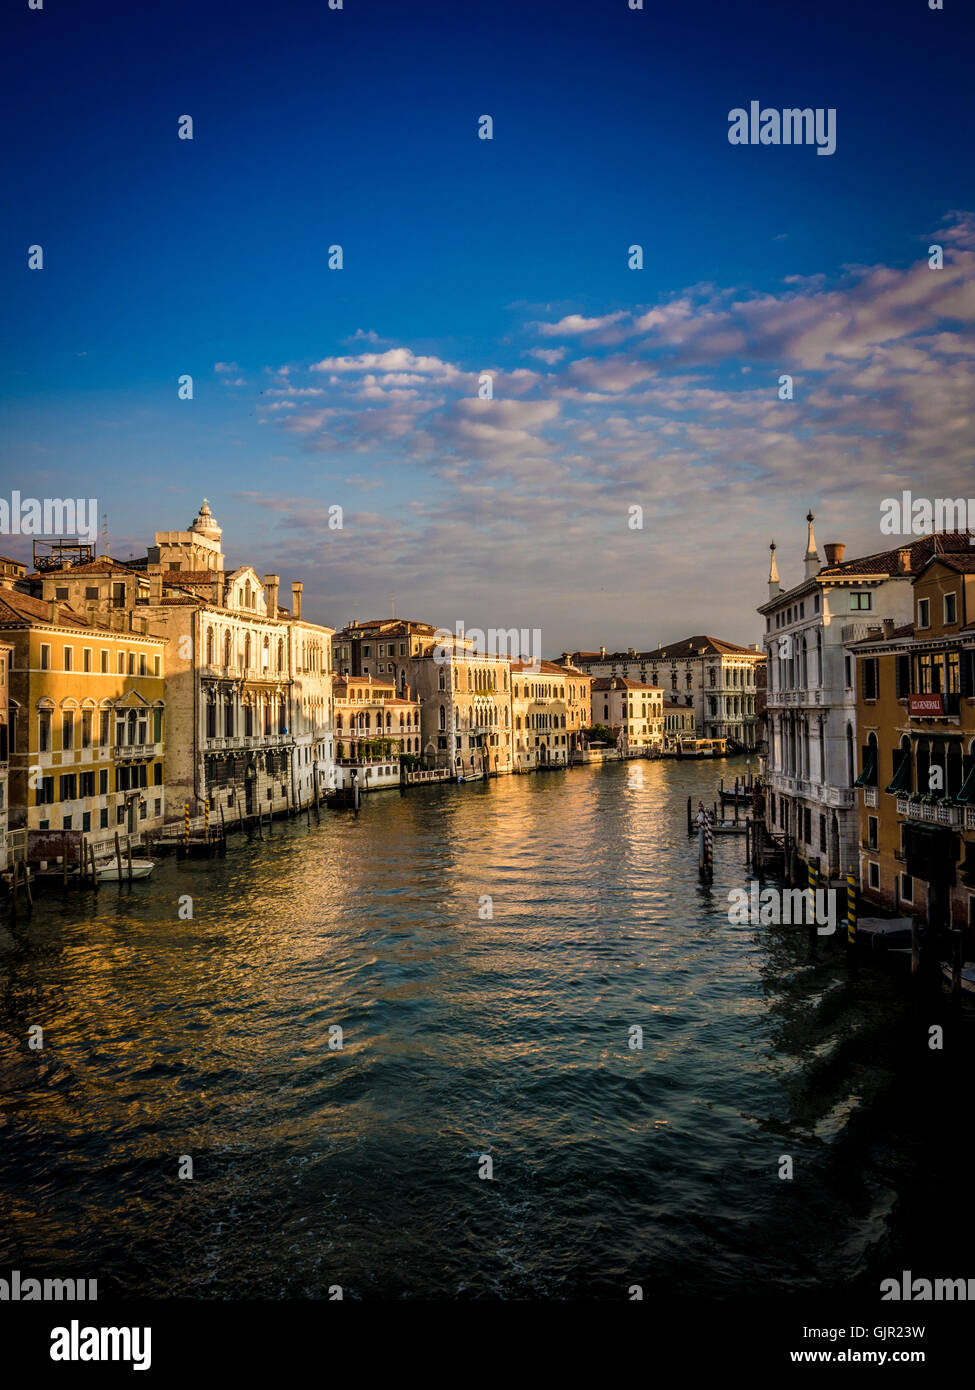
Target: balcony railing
926,811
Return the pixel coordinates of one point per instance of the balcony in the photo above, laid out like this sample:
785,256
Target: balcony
934,814
133,752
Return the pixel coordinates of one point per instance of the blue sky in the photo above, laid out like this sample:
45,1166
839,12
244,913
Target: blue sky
612,387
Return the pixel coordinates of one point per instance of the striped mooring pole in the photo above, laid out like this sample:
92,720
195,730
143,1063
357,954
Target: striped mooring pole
708,842
206,819
851,908
811,876
186,822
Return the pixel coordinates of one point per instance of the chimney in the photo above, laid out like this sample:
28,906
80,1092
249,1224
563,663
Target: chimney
773,575
834,553
888,626
904,560
602,653
812,554
219,588
271,582
296,590
53,605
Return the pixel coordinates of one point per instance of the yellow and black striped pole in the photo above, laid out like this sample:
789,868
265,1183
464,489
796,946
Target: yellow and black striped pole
811,892
851,907
186,822
206,819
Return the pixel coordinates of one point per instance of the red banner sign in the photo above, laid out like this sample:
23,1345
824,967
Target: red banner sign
925,705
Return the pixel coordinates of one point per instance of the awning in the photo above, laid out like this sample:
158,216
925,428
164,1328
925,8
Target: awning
967,794
901,781
867,777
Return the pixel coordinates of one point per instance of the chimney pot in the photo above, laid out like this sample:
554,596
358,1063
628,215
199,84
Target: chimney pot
271,582
835,551
904,560
53,605
296,592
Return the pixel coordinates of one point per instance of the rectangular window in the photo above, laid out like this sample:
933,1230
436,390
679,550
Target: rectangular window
103,818
69,787
67,732
872,832
91,591
861,603
155,665
870,680
44,731
60,593
143,666
924,612
45,656
86,784
907,888
131,663
68,658
951,609
849,673
121,663
873,875
902,675
103,782
104,662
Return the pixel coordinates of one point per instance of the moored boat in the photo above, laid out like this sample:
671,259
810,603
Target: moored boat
108,870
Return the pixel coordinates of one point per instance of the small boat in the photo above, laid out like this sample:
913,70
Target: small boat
108,870
967,976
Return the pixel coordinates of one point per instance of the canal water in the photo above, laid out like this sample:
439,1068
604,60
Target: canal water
486,951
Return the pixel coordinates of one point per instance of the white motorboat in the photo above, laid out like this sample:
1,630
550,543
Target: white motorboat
108,871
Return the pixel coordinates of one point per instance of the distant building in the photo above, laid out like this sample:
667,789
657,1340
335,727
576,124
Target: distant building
717,679
11,570
678,723
549,710
633,709
374,727
465,695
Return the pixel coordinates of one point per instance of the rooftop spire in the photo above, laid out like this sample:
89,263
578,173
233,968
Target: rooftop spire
812,554
773,575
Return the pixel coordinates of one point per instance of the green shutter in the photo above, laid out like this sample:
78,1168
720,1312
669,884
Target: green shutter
868,777
901,780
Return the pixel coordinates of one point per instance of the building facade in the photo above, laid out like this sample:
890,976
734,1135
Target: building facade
6,653
374,728
249,683
916,753
88,720
811,764
549,711
678,724
634,711
718,680
464,695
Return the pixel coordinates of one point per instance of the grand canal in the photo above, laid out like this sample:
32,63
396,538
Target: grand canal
466,1035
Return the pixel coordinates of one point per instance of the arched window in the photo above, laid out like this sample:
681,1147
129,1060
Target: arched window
209,646
247,644
226,649
280,653
443,719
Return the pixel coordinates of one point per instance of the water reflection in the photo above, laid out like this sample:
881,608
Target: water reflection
464,1034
